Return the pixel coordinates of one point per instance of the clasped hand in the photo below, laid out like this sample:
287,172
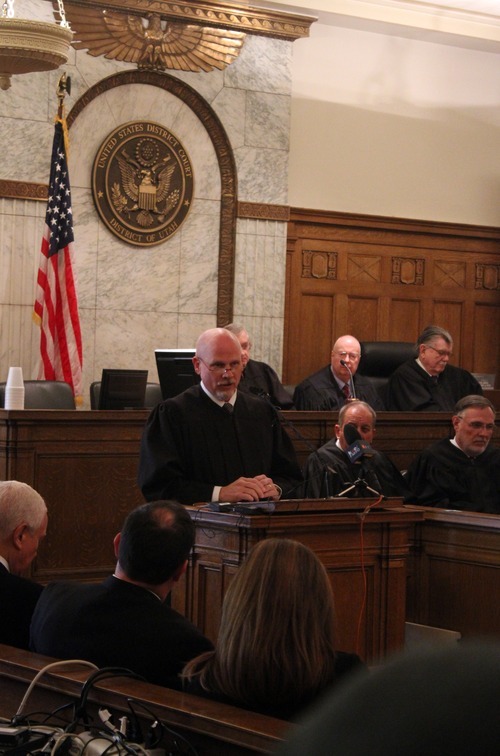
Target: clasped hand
250,489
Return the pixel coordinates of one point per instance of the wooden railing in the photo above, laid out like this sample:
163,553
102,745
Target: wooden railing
211,727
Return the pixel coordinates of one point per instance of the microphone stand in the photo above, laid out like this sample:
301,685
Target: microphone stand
359,482
351,379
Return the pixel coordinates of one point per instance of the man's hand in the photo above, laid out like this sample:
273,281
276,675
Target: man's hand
250,489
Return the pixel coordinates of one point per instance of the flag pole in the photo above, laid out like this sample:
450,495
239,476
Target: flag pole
56,302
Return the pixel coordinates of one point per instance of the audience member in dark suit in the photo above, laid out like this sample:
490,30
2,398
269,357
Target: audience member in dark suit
214,443
463,472
275,651
441,701
330,388
23,523
125,621
429,383
329,471
259,378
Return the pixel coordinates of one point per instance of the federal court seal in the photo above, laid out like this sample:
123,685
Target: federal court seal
142,183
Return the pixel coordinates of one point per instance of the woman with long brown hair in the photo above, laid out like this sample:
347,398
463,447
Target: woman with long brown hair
276,645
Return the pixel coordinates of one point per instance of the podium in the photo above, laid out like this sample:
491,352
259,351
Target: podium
365,554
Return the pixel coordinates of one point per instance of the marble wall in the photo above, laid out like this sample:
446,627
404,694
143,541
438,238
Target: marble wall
133,299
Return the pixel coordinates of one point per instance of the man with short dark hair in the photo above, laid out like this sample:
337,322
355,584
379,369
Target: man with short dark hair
213,442
428,383
125,621
339,382
462,472
23,524
329,471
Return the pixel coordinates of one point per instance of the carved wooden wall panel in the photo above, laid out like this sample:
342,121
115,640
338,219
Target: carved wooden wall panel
386,279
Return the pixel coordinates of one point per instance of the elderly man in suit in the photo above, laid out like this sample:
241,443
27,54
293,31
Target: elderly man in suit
125,621
23,523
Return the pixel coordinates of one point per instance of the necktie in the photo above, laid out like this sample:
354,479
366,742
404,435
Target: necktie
345,391
228,407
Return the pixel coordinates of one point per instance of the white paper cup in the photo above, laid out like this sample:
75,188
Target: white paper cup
15,378
14,398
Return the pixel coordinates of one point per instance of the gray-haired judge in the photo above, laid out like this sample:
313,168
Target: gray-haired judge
259,378
427,382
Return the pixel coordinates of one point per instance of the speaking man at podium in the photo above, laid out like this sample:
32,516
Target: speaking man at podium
347,464
213,442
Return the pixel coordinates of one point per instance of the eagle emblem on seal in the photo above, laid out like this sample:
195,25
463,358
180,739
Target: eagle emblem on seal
147,186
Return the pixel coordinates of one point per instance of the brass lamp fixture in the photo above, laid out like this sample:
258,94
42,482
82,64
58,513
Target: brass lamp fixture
27,45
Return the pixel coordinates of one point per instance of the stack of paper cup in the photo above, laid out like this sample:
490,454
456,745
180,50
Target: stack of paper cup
14,389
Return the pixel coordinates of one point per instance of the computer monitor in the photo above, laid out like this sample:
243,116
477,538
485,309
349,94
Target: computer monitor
122,389
175,371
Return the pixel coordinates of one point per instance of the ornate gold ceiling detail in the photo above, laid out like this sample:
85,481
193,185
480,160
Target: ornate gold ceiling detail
153,43
218,15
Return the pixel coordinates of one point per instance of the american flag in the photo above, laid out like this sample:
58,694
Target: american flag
56,305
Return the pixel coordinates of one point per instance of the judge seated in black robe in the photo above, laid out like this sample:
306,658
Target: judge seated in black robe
463,472
259,378
213,442
329,471
337,383
429,383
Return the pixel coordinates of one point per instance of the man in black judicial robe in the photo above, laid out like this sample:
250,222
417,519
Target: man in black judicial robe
429,383
329,471
463,472
331,387
195,448
259,378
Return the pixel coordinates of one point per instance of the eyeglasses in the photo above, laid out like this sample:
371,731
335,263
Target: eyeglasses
222,367
353,356
476,425
441,352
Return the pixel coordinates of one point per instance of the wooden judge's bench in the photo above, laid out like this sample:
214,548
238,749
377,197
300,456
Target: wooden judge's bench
443,565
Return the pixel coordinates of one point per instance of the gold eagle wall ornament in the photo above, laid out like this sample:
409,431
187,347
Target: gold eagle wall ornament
153,43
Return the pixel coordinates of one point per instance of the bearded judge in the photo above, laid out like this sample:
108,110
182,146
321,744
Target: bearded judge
462,472
213,442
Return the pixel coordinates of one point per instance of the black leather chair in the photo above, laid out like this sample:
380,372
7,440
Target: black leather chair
44,395
379,360
152,396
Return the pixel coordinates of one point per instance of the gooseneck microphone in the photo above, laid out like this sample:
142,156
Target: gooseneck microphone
327,471
351,380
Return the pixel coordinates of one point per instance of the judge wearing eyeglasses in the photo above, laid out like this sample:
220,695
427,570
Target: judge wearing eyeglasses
213,442
462,472
428,383
337,383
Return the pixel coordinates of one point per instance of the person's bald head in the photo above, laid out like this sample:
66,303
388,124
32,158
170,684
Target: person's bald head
348,349
218,362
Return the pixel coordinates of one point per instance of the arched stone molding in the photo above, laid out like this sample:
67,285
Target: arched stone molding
225,158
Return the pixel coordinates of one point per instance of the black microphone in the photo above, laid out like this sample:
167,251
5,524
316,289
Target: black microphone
357,447
351,381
